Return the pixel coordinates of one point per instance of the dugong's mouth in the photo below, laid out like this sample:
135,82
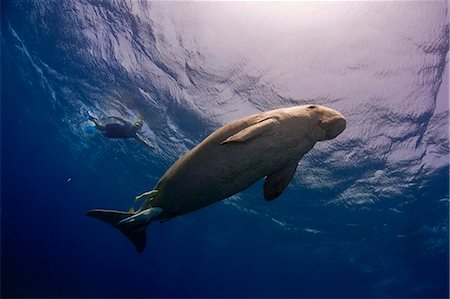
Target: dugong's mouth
333,126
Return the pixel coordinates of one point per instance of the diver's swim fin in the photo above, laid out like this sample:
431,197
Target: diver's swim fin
132,225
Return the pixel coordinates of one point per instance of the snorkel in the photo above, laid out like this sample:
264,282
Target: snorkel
138,124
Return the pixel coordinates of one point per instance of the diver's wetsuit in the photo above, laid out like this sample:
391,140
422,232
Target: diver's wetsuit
118,130
124,129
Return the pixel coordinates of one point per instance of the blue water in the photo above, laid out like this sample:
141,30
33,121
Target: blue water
366,216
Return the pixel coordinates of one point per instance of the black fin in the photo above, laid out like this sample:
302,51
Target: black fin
135,234
138,238
109,216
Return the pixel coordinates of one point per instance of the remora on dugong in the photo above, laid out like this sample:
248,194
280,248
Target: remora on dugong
232,158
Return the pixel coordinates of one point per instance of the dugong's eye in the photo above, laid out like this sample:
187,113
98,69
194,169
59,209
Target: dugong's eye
311,107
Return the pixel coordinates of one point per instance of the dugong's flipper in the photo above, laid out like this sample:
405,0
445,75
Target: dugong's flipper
276,182
132,225
253,131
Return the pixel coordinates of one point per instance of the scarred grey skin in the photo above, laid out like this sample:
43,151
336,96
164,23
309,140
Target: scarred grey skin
240,153
268,144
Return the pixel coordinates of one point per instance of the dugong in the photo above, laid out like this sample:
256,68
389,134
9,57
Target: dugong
268,144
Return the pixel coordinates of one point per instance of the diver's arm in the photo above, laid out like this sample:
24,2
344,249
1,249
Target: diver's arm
144,141
121,120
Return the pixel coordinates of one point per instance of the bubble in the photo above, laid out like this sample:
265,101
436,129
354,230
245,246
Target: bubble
378,174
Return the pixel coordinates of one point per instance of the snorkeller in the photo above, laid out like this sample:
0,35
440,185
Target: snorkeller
121,129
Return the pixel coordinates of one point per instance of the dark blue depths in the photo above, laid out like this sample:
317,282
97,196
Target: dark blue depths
49,248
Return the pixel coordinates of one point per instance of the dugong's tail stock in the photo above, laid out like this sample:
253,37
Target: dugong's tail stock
132,225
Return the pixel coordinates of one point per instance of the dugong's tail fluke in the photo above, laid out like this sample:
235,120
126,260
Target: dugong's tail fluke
132,225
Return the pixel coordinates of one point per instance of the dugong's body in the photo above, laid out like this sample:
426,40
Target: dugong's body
242,152
269,144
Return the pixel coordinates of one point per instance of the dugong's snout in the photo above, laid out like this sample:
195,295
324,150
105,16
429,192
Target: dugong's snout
330,123
333,126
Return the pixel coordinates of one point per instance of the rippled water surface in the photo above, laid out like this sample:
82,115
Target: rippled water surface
365,216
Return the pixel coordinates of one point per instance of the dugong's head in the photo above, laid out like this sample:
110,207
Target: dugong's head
327,123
